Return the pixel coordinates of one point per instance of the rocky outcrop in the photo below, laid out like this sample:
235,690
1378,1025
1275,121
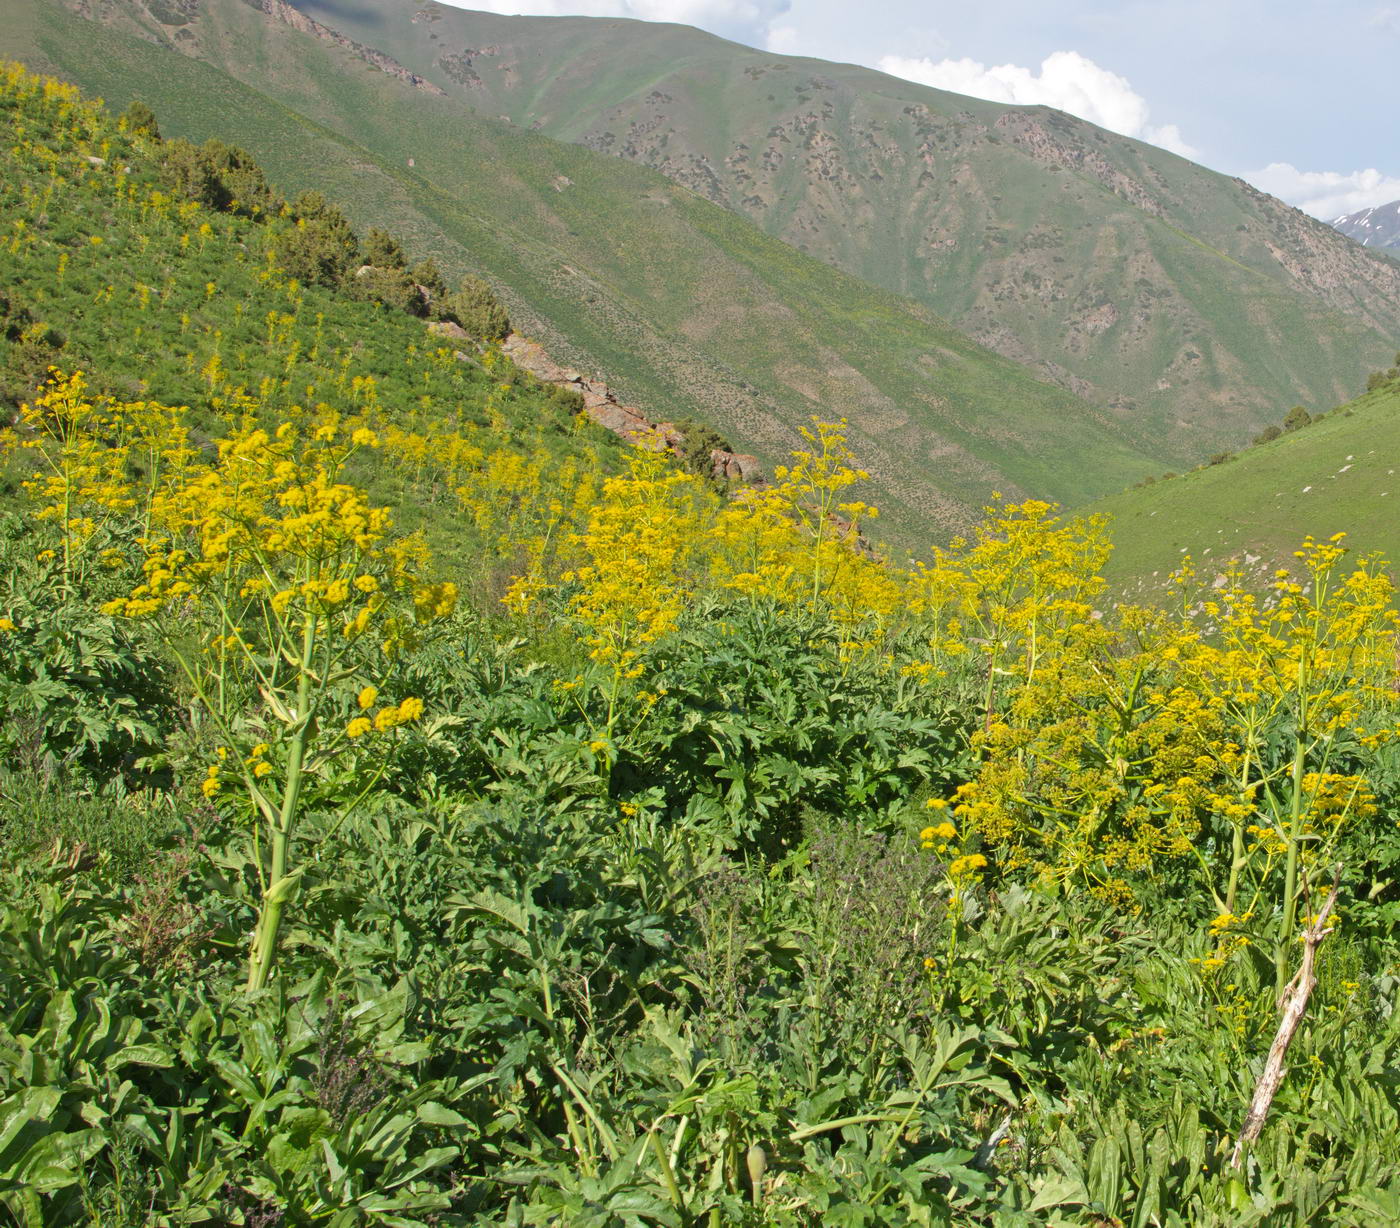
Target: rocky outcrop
1054,142
281,11
601,404
449,329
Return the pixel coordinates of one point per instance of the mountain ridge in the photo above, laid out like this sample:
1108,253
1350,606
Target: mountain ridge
1378,226
690,311
1124,273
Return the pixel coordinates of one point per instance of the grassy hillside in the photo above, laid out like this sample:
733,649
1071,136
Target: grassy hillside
1194,305
1341,474
690,310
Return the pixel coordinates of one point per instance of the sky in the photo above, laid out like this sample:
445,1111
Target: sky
1299,97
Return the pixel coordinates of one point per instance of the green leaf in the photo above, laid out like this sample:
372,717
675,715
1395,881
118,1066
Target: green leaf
1059,1192
435,1114
58,1160
147,1054
33,1104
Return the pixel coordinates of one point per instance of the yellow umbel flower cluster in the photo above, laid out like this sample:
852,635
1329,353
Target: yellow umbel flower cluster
86,451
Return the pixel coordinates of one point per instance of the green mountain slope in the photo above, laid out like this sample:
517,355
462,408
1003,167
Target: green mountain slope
1195,305
1341,474
687,308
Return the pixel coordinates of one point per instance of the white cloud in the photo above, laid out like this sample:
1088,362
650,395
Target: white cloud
783,40
749,20
1067,81
1387,19
1326,194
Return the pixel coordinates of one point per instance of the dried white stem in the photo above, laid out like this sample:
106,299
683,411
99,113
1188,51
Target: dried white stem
1293,1002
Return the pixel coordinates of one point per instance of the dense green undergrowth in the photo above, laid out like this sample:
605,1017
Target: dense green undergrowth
722,875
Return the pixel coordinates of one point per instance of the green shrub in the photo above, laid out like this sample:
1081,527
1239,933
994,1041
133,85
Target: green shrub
476,308
698,442
139,119
391,286
318,247
382,250
218,176
80,689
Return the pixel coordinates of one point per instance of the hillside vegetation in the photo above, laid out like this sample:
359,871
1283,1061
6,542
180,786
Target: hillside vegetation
1338,474
689,310
619,850
1192,304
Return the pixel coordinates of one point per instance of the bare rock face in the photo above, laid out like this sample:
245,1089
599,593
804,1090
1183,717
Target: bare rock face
530,356
622,420
736,467
281,11
449,329
601,404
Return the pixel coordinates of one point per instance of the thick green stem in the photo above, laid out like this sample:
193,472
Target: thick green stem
1290,874
1237,862
668,1176
67,528
1237,857
263,955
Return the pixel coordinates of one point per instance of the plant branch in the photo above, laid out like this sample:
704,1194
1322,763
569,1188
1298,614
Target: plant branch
1293,1002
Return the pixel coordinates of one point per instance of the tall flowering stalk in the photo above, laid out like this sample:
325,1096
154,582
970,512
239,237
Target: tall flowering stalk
1313,659
631,581
811,488
302,589
80,459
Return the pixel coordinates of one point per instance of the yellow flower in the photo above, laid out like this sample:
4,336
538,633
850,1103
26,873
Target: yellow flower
365,438
358,727
962,867
386,719
367,697
7,624
359,624
410,710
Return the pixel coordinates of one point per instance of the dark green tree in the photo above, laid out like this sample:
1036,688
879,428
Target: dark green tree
394,288
138,118
698,443
218,176
383,251
477,309
186,171
427,275
315,243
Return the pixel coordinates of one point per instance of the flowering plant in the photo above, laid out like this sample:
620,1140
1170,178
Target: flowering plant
298,591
